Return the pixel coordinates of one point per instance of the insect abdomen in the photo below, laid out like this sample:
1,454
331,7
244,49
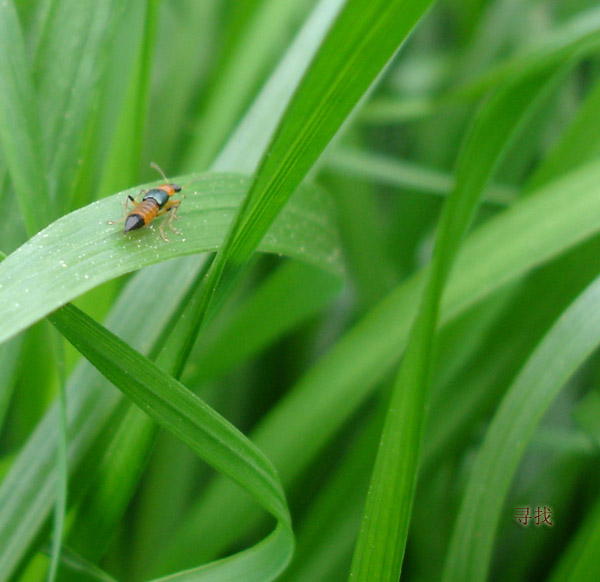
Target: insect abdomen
144,213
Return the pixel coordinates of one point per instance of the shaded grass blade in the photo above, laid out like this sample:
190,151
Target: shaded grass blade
380,546
575,336
27,490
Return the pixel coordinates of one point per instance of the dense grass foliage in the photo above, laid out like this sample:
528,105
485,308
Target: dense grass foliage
370,350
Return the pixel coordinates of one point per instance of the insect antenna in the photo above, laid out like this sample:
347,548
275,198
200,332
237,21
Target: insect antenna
158,168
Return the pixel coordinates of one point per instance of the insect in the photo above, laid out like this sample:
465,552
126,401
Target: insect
155,202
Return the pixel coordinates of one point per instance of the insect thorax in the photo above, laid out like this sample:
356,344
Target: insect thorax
159,196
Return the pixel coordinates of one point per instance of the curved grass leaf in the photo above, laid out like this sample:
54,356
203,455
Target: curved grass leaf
575,336
196,424
25,503
80,251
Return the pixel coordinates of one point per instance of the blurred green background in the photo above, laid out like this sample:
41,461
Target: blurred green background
408,125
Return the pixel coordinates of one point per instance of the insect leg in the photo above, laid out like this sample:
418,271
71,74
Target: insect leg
171,208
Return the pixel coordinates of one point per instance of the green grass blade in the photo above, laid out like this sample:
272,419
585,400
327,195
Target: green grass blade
576,146
9,355
575,38
19,123
264,33
575,336
62,481
244,149
261,563
124,165
71,64
174,407
75,564
291,295
189,419
80,251
578,37
581,557
380,547
329,91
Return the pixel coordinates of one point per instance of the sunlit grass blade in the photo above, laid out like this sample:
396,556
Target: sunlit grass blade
189,419
80,250
19,123
575,335
255,45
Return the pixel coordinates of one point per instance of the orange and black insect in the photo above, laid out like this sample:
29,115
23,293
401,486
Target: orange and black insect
155,202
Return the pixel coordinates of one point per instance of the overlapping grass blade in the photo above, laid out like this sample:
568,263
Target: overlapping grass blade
244,149
27,490
380,547
80,251
91,402
330,89
263,33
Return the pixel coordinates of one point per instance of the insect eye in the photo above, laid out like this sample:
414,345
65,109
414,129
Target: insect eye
176,188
